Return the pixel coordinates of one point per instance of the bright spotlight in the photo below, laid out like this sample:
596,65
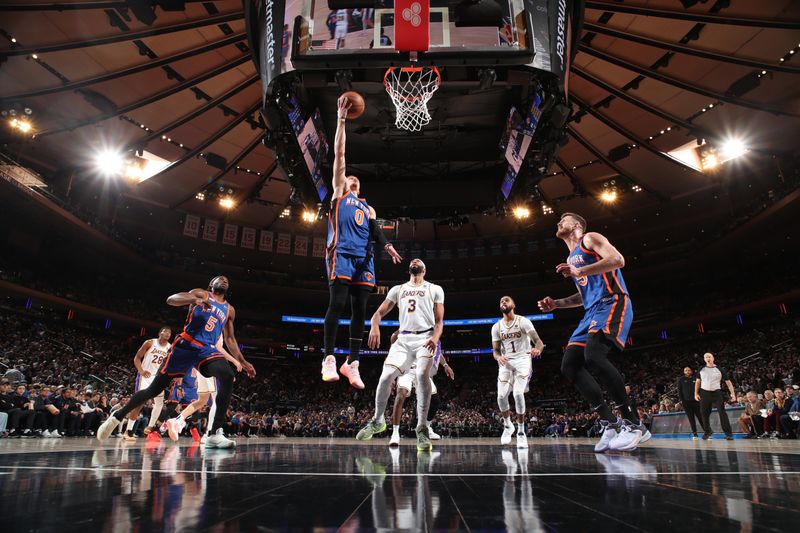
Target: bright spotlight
200,196
521,212
710,161
227,202
109,162
732,148
609,196
309,216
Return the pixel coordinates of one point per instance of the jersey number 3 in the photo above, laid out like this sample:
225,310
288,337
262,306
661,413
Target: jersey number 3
412,306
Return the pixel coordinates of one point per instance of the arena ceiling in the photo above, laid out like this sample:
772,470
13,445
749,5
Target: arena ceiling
649,77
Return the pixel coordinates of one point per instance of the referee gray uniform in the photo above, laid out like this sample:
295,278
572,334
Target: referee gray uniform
711,380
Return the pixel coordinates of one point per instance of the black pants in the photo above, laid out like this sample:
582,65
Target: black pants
21,419
709,400
692,409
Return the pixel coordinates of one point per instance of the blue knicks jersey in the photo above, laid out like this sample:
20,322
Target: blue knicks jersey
348,226
205,326
597,286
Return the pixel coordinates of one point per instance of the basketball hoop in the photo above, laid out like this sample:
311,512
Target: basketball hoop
410,88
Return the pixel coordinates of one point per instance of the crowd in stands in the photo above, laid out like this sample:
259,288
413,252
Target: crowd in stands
61,378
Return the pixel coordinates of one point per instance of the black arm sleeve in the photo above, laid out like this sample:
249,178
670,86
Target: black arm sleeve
376,233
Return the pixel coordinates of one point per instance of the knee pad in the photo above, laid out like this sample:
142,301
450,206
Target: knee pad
503,389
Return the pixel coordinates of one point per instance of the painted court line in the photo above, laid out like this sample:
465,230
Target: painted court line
407,474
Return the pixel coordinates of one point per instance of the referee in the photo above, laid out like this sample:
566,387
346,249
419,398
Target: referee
708,391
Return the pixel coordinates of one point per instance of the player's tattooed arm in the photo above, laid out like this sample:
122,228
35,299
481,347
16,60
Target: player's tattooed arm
538,345
339,142
498,354
374,339
233,345
137,359
548,304
193,297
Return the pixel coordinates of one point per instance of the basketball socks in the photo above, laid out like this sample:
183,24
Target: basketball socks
396,428
355,349
507,422
383,390
424,390
520,428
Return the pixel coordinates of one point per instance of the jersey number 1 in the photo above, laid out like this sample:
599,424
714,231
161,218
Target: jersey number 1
513,348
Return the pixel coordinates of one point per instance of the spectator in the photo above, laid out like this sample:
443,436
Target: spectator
751,421
21,415
5,406
47,414
779,408
708,391
686,396
790,422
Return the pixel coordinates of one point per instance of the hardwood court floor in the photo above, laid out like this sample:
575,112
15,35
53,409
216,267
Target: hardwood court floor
470,484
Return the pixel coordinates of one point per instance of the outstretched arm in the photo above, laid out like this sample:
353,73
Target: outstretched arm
343,105
233,344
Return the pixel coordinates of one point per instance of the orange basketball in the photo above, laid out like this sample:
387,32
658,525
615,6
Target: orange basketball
356,104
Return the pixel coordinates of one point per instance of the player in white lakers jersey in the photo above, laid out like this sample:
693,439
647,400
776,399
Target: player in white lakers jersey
421,306
147,360
405,384
512,337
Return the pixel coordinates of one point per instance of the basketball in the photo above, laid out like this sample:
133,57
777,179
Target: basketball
356,104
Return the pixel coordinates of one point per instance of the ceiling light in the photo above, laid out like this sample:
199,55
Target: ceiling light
636,188
34,56
227,202
109,162
521,212
732,148
200,196
609,196
309,216
287,211
546,209
13,39
710,161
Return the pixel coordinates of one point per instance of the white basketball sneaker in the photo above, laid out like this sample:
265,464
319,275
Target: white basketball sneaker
107,428
432,434
522,440
174,428
608,432
505,438
627,438
219,440
329,369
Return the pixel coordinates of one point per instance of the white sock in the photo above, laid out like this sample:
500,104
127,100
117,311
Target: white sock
211,413
383,390
429,423
158,404
507,422
520,428
396,428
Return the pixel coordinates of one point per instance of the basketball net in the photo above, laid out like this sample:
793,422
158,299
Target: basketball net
410,89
